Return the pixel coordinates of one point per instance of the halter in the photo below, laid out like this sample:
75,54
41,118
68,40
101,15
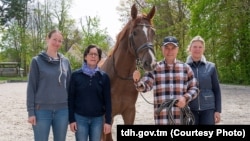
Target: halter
147,45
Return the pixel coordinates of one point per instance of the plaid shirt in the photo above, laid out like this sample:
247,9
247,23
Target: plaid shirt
170,82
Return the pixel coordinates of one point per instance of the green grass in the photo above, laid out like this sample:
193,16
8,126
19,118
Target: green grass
10,78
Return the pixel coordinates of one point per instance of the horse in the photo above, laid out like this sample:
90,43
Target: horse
132,50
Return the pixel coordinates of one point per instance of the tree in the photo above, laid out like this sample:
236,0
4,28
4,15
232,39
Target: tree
91,34
14,14
170,20
226,35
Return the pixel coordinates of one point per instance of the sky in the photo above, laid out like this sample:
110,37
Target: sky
104,9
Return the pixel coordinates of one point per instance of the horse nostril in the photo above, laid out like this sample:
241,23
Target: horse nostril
146,64
149,66
154,65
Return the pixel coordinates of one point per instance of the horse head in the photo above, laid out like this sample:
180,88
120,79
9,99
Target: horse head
138,37
141,37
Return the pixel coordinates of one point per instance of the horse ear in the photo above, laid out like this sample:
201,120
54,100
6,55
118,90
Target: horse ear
134,11
151,13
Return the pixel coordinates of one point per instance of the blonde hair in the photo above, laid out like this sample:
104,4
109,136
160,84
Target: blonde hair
196,38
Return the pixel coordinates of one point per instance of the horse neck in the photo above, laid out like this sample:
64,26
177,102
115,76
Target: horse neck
124,59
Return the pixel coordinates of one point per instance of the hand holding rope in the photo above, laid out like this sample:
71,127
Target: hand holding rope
188,117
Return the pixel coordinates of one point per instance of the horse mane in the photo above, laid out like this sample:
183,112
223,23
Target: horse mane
131,23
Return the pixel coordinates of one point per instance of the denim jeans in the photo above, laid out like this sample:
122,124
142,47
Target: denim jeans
58,119
89,127
205,117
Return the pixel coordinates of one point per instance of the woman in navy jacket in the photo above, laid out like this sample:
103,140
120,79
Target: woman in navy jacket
207,106
89,98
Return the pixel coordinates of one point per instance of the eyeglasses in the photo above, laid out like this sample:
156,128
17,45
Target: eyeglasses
60,41
92,54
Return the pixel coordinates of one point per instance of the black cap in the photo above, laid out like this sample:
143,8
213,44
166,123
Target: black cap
170,40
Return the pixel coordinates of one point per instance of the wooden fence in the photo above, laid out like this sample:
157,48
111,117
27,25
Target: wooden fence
10,69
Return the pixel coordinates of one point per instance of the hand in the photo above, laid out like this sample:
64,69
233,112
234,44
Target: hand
181,102
106,128
140,87
32,120
217,117
136,75
73,127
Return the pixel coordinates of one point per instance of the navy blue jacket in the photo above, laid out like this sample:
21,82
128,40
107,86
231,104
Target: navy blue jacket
89,96
208,83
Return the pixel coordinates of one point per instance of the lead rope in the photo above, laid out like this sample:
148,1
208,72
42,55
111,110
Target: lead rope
139,68
188,117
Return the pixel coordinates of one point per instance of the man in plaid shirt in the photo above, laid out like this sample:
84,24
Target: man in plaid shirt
171,79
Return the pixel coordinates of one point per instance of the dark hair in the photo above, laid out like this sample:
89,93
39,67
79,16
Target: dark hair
99,50
53,31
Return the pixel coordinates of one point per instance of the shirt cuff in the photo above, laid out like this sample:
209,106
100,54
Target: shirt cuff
188,97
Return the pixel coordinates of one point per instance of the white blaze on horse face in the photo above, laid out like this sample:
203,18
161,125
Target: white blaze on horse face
153,58
145,29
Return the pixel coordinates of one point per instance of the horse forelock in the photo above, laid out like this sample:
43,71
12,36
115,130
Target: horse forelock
143,16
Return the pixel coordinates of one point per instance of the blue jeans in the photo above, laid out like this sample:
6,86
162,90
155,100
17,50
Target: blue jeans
58,119
89,127
205,117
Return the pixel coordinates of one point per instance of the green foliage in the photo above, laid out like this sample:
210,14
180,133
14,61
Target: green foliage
226,34
75,56
170,20
94,35
12,9
75,64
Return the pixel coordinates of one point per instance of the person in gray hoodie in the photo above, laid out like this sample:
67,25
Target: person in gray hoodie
207,106
47,91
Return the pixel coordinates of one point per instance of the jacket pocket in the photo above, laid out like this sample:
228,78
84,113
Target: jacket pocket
207,96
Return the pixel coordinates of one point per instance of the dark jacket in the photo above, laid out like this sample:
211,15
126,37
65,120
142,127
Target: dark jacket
208,83
89,95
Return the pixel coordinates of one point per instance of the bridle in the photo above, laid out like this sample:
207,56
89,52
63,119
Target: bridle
147,45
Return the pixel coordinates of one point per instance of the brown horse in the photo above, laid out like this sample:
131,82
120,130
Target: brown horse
133,49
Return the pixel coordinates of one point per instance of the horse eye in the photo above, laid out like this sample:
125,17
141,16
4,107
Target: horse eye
134,33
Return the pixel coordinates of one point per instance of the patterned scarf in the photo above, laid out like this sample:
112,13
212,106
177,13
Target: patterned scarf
89,71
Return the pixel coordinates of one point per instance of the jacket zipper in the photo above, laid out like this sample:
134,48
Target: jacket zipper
197,74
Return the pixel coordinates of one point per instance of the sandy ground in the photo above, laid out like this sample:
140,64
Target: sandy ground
14,126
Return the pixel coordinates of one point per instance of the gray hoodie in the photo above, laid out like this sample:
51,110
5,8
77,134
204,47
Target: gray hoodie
48,83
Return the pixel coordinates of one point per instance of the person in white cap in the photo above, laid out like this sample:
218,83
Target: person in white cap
172,80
